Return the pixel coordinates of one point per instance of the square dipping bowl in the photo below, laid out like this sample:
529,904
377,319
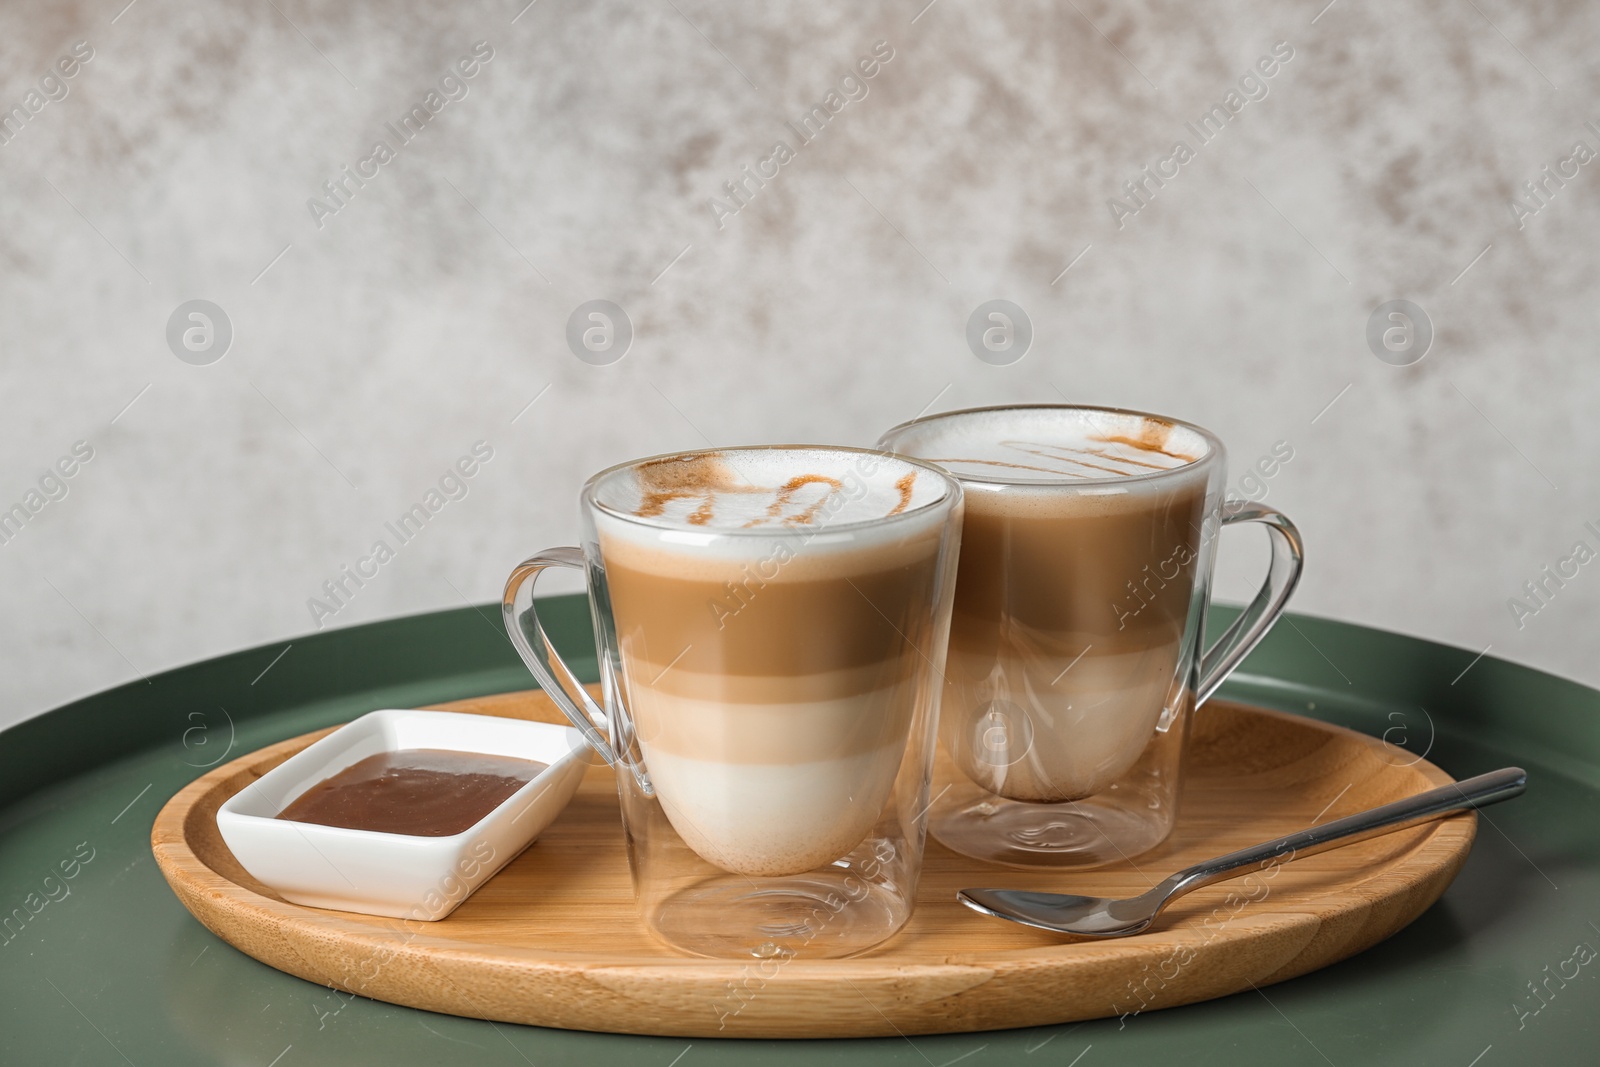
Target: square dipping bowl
399,875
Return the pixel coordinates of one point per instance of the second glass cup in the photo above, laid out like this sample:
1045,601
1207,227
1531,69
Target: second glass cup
772,625
1077,643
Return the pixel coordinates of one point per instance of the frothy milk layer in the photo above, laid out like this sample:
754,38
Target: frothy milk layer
764,819
773,489
1050,445
1057,728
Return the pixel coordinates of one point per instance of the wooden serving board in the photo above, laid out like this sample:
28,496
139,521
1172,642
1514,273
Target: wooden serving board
555,940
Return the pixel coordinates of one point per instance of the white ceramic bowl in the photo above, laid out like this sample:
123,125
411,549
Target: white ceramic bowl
396,874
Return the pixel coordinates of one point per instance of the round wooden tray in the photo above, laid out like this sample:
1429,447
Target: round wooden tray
555,940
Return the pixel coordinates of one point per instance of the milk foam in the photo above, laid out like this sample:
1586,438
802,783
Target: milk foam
767,489
1050,445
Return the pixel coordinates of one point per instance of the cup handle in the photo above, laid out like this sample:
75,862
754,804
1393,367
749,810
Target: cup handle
533,644
1288,560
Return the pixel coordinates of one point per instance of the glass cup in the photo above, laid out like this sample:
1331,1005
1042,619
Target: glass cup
772,625
1077,647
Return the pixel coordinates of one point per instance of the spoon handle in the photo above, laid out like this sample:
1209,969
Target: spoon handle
1476,792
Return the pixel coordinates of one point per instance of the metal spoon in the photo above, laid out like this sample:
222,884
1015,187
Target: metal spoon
1101,917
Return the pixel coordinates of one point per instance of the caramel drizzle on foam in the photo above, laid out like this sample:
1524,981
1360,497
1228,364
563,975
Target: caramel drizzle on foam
786,495
702,478
1152,439
904,485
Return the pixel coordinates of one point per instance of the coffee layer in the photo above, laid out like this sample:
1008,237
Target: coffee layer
812,616
1112,569
778,689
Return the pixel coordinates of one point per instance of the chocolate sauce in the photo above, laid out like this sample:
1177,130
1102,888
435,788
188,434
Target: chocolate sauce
420,792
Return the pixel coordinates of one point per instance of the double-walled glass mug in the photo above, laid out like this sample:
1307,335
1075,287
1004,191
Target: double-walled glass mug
1077,648
772,625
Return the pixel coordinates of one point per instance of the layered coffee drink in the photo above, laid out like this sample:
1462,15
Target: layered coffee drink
1081,548
774,618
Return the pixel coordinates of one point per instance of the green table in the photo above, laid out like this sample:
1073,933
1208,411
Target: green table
100,965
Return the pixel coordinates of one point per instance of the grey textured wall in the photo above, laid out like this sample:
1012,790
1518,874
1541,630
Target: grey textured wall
375,340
